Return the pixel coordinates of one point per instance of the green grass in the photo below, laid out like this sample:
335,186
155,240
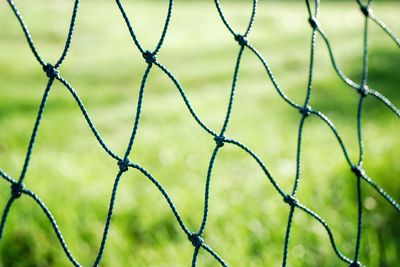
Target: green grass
74,176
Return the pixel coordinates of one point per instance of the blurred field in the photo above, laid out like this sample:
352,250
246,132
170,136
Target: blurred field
74,176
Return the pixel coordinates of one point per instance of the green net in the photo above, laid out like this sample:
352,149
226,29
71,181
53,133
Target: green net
221,139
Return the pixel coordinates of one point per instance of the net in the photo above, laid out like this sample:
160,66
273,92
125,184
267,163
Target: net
125,164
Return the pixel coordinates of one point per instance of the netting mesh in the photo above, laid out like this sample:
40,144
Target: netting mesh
150,56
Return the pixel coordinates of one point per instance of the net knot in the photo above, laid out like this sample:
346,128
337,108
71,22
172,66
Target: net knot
17,189
291,200
306,111
51,71
365,10
242,41
357,170
149,57
355,264
363,90
123,165
220,139
196,239
314,22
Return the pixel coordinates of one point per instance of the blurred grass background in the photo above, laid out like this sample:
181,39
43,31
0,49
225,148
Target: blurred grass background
74,176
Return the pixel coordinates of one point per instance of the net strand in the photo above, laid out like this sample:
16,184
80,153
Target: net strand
18,189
